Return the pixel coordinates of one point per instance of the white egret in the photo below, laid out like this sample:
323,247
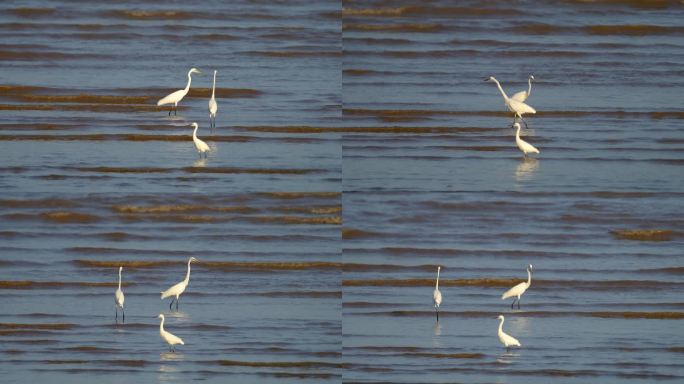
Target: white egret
168,337
202,147
177,289
119,300
517,107
524,146
213,107
519,289
175,97
523,95
506,339
437,295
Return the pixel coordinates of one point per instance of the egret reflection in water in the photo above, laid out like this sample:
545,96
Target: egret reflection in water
526,169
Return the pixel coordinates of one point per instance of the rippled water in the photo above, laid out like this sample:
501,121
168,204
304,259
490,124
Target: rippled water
94,175
432,177
374,112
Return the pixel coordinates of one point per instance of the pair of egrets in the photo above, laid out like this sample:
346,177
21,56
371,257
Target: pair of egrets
174,291
516,104
516,292
175,97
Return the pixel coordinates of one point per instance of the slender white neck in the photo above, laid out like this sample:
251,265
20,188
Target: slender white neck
187,275
517,136
161,325
213,88
119,279
194,136
187,87
500,89
500,325
529,87
437,284
529,277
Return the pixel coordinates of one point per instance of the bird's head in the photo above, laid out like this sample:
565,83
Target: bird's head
195,70
192,259
531,77
516,125
120,269
215,71
439,267
530,267
500,317
490,78
160,316
194,125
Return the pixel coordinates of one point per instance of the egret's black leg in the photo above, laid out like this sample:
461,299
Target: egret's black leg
523,120
123,313
116,314
513,303
170,304
437,311
176,304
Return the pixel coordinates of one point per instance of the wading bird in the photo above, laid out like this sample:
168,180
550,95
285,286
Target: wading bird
119,300
175,97
517,107
437,295
213,107
524,146
168,337
177,289
202,147
506,339
523,95
519,289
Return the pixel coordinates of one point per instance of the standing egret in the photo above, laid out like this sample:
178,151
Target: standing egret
213,107
177,289
517,107
524,146
519,289
523,95
119,300
177,96
437,295
506,339
168,337
202,147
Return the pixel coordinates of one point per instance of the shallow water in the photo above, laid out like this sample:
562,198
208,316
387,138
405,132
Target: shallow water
356,149
94,175
434,178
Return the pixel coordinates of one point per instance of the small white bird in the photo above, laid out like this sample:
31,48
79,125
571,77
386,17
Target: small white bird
437,295
519,289
202,147
119,300
517,107
523,95
168,337
524,146
177,289
175,97
213,107
506,339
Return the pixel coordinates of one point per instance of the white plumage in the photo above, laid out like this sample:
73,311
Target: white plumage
177,289
175,97
506,339
437,295
119,299
519,289
168,337
523,95
213,107
201,146
517,107
524,146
